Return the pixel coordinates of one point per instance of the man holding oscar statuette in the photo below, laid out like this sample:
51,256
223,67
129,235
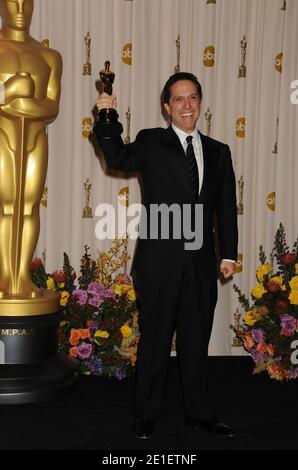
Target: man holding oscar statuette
177,280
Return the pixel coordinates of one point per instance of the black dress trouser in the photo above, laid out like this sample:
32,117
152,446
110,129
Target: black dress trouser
183,301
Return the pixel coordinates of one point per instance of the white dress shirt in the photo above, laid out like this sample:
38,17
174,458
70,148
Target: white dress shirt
198,149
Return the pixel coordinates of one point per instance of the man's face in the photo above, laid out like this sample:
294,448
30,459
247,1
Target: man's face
184,106
16,14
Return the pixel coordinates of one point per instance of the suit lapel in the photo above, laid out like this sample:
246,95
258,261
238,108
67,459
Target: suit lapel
178,157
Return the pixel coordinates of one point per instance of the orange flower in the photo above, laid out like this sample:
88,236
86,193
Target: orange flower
262,347
84,333
262,310
270,349
74,337
73,352
276,372
248,341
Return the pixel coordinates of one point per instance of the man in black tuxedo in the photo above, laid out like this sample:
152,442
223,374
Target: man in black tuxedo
177,279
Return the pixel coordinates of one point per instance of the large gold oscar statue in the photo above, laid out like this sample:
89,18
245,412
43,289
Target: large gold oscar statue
31,74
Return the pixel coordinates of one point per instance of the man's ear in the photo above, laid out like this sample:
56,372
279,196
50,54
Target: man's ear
167,108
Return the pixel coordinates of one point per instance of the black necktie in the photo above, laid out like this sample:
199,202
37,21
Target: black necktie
193,167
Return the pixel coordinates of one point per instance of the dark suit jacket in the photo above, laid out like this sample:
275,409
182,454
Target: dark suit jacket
158,154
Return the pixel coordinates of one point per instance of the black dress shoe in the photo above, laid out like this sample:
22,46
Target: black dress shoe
143,428
210,425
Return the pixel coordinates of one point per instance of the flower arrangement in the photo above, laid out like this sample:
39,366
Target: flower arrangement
269,330
99,324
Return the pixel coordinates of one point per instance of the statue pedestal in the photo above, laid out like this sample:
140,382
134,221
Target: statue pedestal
31,370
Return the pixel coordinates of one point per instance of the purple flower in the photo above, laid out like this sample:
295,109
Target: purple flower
120,373
80,296
94,364
293,374
258,335
109,294
96,300
99,291
92,326
84,350
257,356
96,288
288,323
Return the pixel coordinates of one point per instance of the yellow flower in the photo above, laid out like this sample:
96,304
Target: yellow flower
258,291
294,282
64,298
117,288
251,317
126,287
283,287
263,270
131,294
51,283
293,297
126,331
62,285
101,334
296,268
277,280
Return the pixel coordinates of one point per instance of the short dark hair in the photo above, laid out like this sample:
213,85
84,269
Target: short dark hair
166,94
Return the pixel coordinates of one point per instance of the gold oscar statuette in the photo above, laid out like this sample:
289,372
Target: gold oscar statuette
240,204
276,142
107,77
128,117
208,117
237,342
87,210
242,68
31,74
87,65
178,46
29,316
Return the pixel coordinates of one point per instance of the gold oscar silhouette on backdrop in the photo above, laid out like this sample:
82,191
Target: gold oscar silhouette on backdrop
31,76
178,46
87,66
87,210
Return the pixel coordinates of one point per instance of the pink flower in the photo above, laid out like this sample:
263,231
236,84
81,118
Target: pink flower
109,294
58,276
96,288
36,263
272,287
288,325
288,258
84,350
80,296
123,279
96,300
